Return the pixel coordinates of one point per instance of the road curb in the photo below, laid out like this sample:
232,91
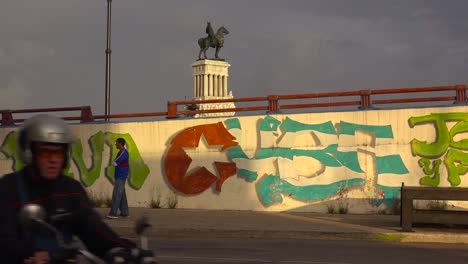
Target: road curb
242,234
188,233
452,238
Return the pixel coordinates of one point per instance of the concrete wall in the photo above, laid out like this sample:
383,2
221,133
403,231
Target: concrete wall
303,162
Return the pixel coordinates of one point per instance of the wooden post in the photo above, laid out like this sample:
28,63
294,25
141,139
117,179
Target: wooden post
401,201
406,211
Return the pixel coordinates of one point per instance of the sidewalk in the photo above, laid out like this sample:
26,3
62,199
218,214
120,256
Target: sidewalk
185,223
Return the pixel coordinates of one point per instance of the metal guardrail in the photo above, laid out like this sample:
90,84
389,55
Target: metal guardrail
274,103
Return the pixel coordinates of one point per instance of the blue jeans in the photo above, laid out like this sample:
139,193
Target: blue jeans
119,198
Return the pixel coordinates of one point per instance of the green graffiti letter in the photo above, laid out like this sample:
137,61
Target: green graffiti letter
444,137
96,143
459,127
8,148
428,171
457,164
434,150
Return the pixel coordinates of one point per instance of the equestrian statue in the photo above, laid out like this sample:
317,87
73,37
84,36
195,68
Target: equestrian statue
213,40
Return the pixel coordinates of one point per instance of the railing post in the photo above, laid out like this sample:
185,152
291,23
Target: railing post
171,110
7,118
460,96
365,99
401,202
273,105
86,114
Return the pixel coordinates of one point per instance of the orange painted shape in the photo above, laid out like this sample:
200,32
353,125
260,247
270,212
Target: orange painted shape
177,161
225,170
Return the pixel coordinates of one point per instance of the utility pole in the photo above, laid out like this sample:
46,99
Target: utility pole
108,59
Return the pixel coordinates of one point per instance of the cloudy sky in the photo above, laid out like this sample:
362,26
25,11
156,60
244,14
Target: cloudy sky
52,51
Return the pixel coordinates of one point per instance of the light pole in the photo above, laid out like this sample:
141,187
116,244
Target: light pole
108,59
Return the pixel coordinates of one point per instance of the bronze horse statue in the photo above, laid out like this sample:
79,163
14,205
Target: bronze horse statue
215,41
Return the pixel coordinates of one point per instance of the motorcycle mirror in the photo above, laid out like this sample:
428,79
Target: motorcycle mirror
32,213
141,225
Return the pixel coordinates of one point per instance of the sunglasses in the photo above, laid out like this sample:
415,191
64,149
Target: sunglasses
48,153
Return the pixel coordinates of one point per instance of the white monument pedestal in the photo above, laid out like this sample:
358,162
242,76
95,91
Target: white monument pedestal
210,81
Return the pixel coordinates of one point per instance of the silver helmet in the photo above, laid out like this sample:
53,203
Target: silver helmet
42,128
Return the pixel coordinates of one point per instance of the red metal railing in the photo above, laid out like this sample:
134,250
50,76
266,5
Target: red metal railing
361,98
86,114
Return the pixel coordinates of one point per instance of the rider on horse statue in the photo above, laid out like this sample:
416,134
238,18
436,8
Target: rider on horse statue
210,32
213,37
214,40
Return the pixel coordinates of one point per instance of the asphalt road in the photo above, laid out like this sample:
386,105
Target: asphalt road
191,251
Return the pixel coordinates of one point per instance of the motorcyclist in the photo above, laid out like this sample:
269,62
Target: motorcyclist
43,144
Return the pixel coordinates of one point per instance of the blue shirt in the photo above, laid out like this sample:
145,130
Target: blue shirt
122,167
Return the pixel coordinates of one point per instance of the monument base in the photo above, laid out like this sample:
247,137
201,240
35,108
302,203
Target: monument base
210,82
214,106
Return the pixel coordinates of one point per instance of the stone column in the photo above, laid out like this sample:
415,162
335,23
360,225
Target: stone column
225,86
200,86
205,84
220,86
215,84
212,84
195,92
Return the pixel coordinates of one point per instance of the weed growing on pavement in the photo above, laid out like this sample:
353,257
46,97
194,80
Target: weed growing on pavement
437,205
156,203
172,200
395,208
100,201
331,209
108,201
382,212
343,207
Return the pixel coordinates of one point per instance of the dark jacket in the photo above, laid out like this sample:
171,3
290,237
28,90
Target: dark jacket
63,195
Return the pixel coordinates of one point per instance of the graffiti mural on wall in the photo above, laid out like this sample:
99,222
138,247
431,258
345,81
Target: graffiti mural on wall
177,161
279,152
444,148
139,171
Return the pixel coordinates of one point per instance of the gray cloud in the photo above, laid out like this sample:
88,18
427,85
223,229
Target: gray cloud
54,50
15,94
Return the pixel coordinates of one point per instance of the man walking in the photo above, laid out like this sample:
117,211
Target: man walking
119,197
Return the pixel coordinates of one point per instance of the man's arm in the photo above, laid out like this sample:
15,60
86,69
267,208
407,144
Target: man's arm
123,157
98,237
13,249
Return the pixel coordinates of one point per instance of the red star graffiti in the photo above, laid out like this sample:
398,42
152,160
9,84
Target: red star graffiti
177,161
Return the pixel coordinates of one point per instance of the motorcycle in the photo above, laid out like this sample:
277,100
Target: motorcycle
33,215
